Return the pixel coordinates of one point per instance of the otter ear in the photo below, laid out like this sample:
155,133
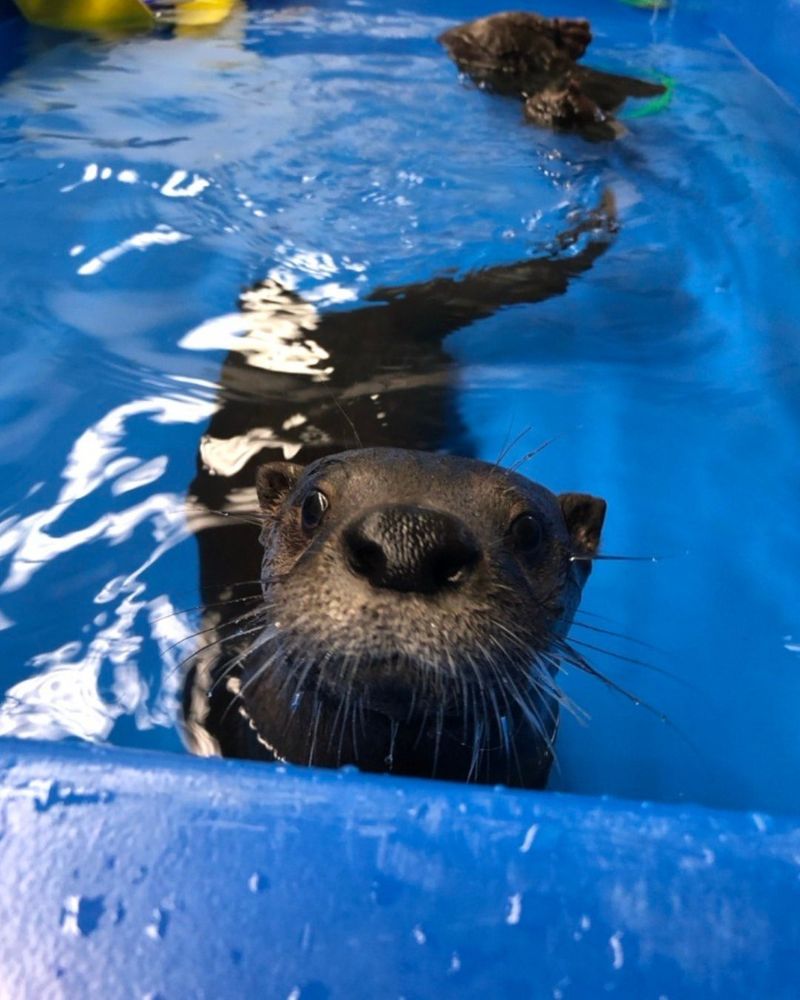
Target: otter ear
273,483
584,516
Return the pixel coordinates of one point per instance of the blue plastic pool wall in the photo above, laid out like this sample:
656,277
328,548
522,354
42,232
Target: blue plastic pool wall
133,874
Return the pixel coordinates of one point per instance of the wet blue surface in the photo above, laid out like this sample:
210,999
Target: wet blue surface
299,142
188,878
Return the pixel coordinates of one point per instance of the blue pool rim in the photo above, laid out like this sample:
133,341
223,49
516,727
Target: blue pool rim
128,873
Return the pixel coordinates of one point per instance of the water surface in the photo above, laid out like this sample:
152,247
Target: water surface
144,181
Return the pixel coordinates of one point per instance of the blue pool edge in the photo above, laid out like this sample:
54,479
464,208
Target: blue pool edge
147,874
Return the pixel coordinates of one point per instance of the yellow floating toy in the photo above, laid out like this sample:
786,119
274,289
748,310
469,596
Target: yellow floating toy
197,13
93,15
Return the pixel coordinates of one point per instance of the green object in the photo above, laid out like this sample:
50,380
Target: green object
655,104
648,4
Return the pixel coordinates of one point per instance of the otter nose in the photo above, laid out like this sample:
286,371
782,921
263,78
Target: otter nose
411,549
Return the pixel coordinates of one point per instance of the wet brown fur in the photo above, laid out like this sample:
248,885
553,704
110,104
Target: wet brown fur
535,58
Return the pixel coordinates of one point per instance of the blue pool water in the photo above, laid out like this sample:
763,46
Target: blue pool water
145,181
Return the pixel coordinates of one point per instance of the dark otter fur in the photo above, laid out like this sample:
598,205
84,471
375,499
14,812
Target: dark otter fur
534,58
413,618
297,384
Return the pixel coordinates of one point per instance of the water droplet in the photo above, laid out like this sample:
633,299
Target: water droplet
158,927
80,915
514,909
530,836
140,876
258,883
618,955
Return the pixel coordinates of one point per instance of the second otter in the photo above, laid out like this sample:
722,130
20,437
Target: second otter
534,58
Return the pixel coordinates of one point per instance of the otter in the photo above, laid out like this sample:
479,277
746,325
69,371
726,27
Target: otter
410,607
535,58
414,613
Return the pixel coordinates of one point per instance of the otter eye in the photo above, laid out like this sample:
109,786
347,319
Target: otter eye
313,509
526,531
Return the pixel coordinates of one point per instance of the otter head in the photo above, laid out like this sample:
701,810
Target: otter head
415,607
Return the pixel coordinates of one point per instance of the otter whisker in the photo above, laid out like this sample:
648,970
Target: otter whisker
499,674
613,654
349,704
343,727
347,417
503,730
465,703
251,519
574,657
533,718
537,705
354,726
267,634
352,703
299,678
412,702
437,743
291,673
616,635
603,557
212,628
511,444
477,741
209,645
491,692
227,668
314,730
481,691
362,715
528,456
201,607
422,726
394,728
296,666
544,680
339,709
596,616
570,655
238,660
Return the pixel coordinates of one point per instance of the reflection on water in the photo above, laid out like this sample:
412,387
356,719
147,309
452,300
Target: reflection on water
83,686
166,174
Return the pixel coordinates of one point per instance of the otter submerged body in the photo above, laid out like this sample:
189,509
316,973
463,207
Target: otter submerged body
322,662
